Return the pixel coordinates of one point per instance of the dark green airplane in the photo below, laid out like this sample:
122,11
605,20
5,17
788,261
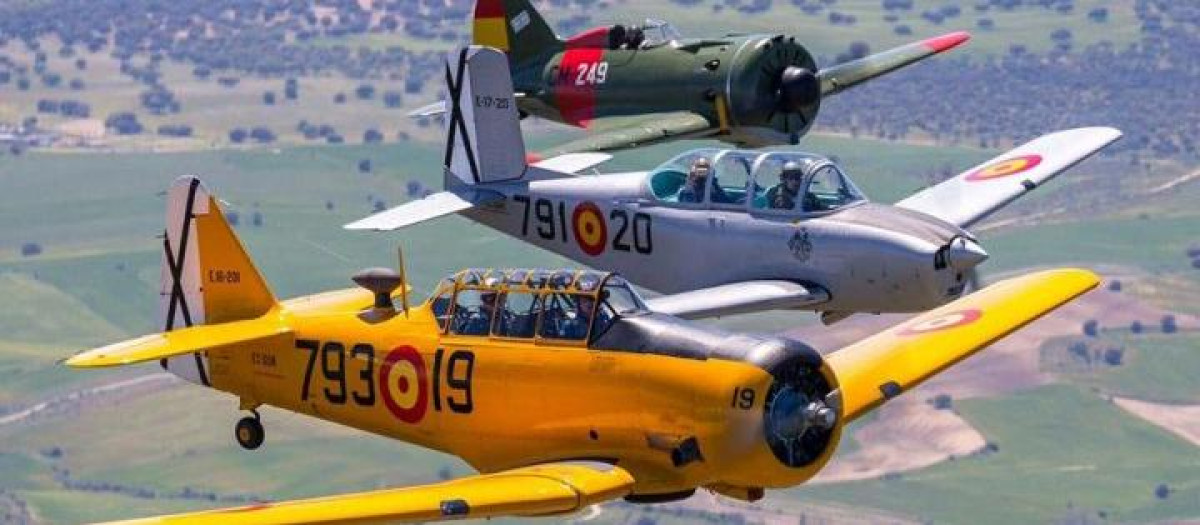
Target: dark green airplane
637,85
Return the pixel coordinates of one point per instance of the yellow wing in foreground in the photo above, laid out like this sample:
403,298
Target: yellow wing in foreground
554,488
885,365
180,342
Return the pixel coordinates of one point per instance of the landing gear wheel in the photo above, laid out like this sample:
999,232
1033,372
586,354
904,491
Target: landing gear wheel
249,432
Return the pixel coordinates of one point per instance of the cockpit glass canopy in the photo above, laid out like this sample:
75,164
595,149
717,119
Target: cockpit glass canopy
773,181
659,32
558,305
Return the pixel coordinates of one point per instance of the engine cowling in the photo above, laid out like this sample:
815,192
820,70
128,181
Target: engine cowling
799,425
798,422
775,86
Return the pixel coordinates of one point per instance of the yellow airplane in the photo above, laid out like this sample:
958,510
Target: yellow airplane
560,387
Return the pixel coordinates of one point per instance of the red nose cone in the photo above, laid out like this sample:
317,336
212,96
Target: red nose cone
947,42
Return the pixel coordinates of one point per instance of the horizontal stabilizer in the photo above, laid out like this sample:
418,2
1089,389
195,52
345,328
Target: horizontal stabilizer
738,298
181,341
437,205
429,110
898,359
550,489
573,162
976,193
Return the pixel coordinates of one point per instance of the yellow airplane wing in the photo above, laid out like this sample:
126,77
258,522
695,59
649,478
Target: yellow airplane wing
554,488
887,364
181,342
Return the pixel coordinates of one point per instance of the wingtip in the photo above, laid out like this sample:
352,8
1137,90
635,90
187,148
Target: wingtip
82,360
1082,279
947,42
1107,133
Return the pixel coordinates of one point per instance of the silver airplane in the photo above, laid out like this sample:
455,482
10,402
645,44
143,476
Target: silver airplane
750,231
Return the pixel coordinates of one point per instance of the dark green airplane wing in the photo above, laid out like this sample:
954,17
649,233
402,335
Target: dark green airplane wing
842,76
634,132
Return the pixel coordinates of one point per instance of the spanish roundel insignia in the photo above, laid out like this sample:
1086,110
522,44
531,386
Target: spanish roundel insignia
1005,168
590,230
403,384
945,322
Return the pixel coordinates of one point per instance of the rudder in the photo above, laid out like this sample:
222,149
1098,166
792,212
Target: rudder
483,130
515,27
207,276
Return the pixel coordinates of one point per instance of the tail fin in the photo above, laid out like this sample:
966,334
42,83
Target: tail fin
207,277
483,131
515,27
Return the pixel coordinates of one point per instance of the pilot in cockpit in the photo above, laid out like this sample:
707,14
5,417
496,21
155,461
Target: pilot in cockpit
783,196
621,37
697,181
478,320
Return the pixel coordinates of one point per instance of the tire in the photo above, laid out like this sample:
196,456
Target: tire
249,433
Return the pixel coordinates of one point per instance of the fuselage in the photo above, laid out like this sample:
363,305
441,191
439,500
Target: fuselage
731,81
500,403
869,257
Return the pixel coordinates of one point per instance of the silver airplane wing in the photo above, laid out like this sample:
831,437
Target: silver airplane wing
421,210
738,298
976,193
573,163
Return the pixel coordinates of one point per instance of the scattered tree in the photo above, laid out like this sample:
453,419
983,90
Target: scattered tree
1114,356
1162,491
1168,324
943,402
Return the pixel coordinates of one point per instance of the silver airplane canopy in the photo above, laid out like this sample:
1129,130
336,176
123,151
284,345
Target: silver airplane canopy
720,231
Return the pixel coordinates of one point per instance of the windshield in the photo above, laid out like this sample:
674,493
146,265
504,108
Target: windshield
829,190
619,298
658,32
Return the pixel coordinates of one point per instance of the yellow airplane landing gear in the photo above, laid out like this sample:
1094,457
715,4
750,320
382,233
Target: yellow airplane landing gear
249,431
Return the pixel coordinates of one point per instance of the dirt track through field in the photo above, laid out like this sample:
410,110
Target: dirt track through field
1181,420
72,399
907,435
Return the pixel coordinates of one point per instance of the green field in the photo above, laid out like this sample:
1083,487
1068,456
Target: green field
1028,26
1060,450
210,108
1171,360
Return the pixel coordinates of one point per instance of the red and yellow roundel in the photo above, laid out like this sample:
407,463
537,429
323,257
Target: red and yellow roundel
590,230
403,384
1005,168
945,322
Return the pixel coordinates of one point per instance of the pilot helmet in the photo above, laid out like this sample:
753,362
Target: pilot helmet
791,170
